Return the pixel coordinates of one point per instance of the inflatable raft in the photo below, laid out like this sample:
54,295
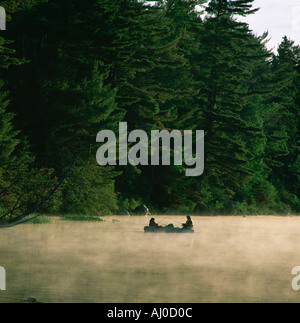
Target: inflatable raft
168,229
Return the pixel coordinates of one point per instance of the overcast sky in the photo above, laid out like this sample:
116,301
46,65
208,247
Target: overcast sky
279,17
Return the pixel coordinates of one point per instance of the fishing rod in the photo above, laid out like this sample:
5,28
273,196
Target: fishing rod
177,221
170,219
162,220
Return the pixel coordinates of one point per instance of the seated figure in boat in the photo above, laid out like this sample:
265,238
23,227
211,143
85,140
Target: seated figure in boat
169,225
152,223
189,223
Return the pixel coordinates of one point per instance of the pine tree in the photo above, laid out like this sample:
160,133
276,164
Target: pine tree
70,100
140,43
282,125
87,107
8,141
10,165
92,64
135,44
222,68
7,52
169,187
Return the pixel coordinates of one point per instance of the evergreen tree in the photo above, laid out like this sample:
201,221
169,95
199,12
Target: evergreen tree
74,68
282,125
64,99
8,143
169,187
86,107
223,70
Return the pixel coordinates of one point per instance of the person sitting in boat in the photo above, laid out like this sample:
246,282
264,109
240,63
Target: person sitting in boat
152,223
189,223
169,225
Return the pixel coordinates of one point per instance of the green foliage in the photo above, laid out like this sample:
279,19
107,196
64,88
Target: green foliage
8,142
7,57
130,204
89,190
42,219
26,187
13,6
83,218
73,68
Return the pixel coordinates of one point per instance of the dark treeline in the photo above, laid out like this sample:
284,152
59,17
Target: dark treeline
71,68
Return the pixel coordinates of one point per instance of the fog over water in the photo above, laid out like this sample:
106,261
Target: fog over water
228,259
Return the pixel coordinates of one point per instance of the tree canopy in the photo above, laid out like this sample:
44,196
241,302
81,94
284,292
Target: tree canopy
69,69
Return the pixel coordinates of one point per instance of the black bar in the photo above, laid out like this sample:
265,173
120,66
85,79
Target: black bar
152,312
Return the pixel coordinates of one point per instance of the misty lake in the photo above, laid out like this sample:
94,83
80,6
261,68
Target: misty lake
228,259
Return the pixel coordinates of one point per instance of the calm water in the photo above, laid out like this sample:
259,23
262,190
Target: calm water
228,259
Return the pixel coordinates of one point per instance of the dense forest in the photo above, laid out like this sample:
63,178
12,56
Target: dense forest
71,68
